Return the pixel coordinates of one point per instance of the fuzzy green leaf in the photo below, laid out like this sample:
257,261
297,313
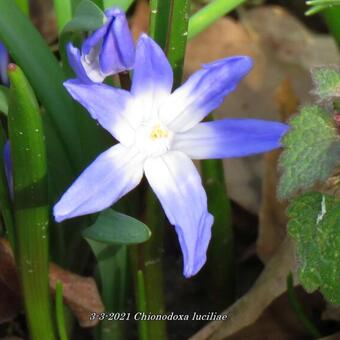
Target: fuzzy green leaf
326,82
314,225
112,227
312,148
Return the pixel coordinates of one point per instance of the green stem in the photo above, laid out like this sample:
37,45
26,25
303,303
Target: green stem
153,270
299,312
220,263
63,11
177,37
113,271
209,14
332,17
59,310
31,213
142,306
159,21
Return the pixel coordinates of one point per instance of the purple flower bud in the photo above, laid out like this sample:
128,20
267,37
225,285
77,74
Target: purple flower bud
108,50
4,59
8,167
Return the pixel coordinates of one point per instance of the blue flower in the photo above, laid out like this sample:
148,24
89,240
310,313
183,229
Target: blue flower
159,132
109,50
4,59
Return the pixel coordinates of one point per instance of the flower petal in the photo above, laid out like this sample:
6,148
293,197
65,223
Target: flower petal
118,51
152,77
113,174
108,105
177,184
203,92
229,138
74,59
95,38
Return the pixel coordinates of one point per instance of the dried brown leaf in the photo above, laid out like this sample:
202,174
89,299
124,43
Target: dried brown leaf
244,312
273,219
80,294
10,305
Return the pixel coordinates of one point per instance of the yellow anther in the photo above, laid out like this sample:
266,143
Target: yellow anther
157,133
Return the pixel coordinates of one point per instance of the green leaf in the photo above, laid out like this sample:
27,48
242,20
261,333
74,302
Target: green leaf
44,74
209,14
88,16
3,99
112,227
312,149
108,238
314,225
31,210
112,269
24,6
326,82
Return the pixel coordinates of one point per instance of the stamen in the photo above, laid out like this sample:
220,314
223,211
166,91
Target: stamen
157,133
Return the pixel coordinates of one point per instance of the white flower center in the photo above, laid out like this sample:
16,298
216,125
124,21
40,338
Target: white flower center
153,138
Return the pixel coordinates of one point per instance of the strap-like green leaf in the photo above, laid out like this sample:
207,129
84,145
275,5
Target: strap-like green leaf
31,210
31,53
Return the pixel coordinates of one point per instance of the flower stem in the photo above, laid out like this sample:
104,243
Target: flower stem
31,214
142,307
220,263
159,21
177,37
209,14
153,270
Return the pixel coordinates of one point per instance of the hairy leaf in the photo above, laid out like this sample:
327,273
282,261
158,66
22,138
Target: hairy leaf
326,82
314,225
312,148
